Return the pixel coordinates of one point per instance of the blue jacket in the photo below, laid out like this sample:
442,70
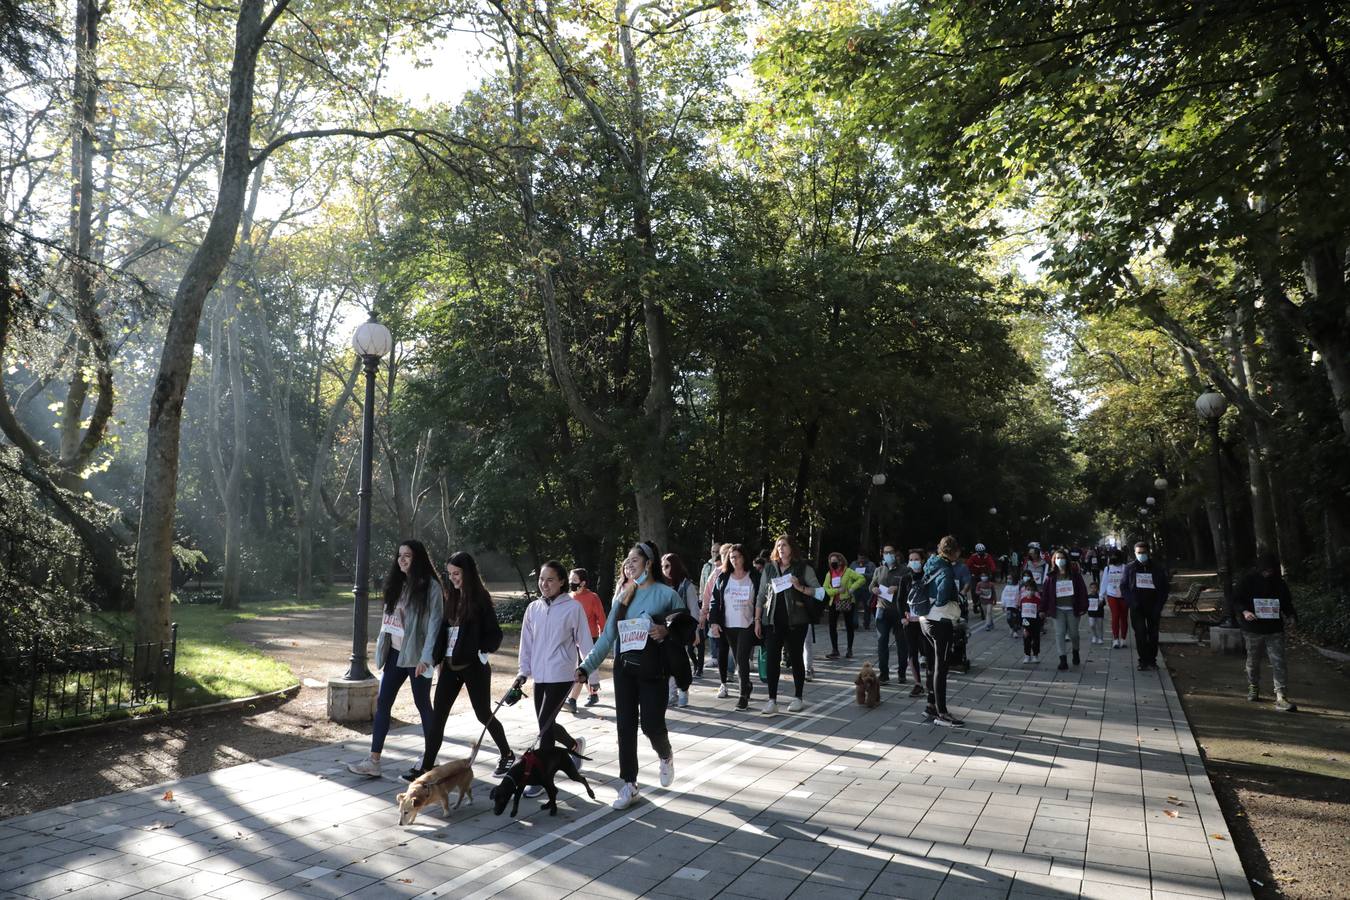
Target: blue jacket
944,588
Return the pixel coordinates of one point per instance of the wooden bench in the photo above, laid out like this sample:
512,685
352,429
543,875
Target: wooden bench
1187,604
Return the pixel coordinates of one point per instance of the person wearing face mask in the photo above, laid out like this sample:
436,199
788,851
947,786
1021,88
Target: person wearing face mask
1109,587
1032,618
937,611
552,634
895,579
645,615
984,599
730,617
1036,564
1064,598
841,583
579,586
862,607
1144,586
789,598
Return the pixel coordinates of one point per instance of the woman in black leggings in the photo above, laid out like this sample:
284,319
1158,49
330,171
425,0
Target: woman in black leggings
939,626
731,619
471,632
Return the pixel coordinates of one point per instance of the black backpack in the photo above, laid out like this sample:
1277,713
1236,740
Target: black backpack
918,600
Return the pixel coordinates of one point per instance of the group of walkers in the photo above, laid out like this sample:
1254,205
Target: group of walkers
753,614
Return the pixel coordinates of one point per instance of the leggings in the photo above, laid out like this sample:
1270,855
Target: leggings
548,698
1014,619
794,640
477,680
730,655
1120,617
915,644
1031,636
638,701
391,681
939,634
849,626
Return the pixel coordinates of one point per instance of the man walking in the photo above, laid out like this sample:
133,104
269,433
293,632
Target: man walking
1144,587
1264,601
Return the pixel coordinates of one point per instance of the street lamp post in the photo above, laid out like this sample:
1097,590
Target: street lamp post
352,697
947,502
1160,485
1211,406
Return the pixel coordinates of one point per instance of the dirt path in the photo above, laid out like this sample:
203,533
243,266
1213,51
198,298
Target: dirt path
1283,779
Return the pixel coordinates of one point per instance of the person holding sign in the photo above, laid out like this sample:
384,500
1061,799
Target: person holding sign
786,607
1029,609
1064,598
1144,586
841,583
470,633
1109,590
1264,601
409,628
1008,598
890,587
731,619
636,629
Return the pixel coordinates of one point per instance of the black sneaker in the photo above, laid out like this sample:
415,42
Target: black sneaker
930,711
946,721
743,703
571,704
1063,664
413,774
1076,659
916,691
885,679
593,699
504,764
833,654
849,654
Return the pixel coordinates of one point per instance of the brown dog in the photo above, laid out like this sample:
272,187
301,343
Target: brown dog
869,687
435,787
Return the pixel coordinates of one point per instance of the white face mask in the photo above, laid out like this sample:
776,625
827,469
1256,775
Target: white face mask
915,565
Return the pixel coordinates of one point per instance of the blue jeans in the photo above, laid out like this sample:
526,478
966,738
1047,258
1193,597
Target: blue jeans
889,625
391,681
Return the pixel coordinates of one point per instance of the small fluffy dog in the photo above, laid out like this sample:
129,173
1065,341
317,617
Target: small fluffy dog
435,787
869,687
537,767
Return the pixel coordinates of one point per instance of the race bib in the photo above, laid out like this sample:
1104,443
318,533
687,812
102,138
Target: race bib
835,581
885,594
1010,596
1039,575
1094,604
1113,584
633,633
861,570
781,583
984,590
738,601
392,623
1143,580
1063,588
1268,608
452,640
1030,610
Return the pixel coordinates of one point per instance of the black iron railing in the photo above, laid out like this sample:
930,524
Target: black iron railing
71,686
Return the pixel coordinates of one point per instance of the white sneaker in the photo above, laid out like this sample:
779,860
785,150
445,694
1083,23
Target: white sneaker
668,771
368,767
1035,659
1026,659
579,752
796,705
682,698
770,708
627,794
723,692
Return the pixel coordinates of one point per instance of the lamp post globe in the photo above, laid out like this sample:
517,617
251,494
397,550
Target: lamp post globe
946,498
372,339
879,479
993,510
1151,501
1160,483
1211,405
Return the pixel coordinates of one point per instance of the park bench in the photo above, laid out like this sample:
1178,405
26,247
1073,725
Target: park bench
1187,604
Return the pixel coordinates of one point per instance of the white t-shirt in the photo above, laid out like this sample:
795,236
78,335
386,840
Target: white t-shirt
739,597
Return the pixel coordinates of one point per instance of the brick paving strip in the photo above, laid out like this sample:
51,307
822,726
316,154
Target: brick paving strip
1085,783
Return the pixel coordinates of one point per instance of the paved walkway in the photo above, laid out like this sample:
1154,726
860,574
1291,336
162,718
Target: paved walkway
1084,783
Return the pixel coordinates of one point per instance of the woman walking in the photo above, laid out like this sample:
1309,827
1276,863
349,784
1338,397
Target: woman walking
938,612
469,634
731,615
552,634
1111,596
841,583
1064,598
788,596
405,645
636,629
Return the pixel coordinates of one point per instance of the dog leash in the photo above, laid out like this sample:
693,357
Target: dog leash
473,754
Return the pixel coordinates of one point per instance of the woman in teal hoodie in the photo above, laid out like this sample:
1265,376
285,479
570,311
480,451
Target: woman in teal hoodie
635,627
938,611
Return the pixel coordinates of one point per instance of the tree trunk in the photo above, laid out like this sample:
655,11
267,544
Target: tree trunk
154,546
804,460
1199,554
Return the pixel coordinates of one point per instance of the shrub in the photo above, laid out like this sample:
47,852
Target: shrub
1323,614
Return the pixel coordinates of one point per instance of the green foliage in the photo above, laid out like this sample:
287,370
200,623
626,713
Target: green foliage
1322,613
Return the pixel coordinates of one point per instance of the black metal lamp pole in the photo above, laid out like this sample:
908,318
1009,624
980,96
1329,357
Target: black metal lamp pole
1225,565
357,670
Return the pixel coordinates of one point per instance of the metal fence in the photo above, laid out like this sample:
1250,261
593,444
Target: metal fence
52,684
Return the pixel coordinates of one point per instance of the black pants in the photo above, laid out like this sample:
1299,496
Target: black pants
730,645
477,679
1031,637
1145,624
940,635
849,626
639,701
697,653
915,644
793,640
548,699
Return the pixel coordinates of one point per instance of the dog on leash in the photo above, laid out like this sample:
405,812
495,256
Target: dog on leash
537,767
435,787
869,687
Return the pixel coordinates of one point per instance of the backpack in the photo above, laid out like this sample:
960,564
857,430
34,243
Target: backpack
918,600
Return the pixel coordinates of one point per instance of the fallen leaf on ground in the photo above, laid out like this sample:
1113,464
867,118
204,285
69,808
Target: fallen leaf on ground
168,795
1172,813
1218,837
405,881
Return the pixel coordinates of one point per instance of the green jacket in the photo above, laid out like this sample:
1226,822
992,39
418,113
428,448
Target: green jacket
849,581
798,611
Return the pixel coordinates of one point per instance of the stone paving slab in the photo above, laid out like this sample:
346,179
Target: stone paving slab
1085,783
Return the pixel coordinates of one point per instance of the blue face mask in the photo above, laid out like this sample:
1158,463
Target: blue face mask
888,559
915,565
1142,557
641,578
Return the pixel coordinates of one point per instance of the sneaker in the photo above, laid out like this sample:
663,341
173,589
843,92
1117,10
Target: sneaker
885,679
833,654
628,793
1253,693
810,673
1143,667
682,698
412,774
578,752
368,767
916,691
571,704
770,708
723,692
945,720
743,703
796,705
668,771
1026,659
1035,659
848,655
1283,704
1076,659
1063,663
504,764
593,699
673,698
534,790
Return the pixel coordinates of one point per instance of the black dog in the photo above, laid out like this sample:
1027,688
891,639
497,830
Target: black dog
536,767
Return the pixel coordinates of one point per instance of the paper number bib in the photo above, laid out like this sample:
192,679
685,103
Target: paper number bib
836,581
782,583
392,623
1010,596
1143,580
633,633
1094,604
1266,608
886,594
1030,610
452,640
738,604
1063,589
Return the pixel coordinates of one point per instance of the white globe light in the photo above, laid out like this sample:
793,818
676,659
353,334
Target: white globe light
1211,405
993,510
1150,500
879,479
372,339
946,498
1160,483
